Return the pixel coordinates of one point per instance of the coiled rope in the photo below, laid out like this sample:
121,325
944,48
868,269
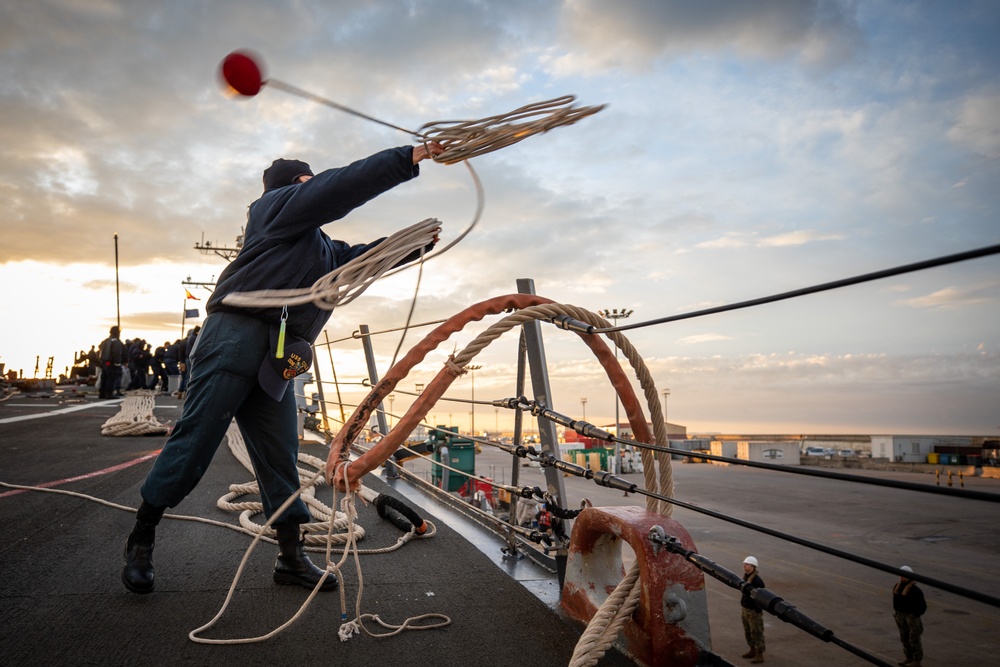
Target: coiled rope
606,624
135,416
316,534
346,517
461,140
465,139
346,283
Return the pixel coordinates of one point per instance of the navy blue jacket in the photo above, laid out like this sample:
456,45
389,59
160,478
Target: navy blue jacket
754,580
284,247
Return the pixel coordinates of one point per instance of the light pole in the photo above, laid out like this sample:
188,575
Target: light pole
666,392
496,421
419,386
583,402
615,315
472,368
391,397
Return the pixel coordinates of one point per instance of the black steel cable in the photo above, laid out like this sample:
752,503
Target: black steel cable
589,430
824,287
612,481
765,599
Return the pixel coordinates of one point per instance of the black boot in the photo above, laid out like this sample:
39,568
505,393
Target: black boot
293,567
137,575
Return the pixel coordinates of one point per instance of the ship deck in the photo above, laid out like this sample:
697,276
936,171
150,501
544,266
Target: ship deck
62,601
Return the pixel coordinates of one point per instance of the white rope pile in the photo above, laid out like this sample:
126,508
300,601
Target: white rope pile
352,532
317,534
135,416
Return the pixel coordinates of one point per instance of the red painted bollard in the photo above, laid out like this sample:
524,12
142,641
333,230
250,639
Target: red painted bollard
670,625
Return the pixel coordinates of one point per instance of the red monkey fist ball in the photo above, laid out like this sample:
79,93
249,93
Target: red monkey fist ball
242,73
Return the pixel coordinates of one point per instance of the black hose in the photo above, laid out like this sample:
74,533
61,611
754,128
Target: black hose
399,514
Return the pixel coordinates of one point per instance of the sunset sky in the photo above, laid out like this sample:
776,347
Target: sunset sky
748,148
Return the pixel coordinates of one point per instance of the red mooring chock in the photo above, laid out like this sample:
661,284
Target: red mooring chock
670,625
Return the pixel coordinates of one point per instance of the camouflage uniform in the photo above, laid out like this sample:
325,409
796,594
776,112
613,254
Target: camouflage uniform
753,628
753,617
908,606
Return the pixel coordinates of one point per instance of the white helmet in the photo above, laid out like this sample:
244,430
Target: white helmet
906,568
750,560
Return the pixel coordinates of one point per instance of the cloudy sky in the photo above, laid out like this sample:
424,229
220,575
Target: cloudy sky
749,148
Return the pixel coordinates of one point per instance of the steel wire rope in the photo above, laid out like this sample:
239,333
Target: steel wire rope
472,508
967,494
357,335
466,355
589,430
824,287
522,491
833,551
765,599
576,470
457,360
787,295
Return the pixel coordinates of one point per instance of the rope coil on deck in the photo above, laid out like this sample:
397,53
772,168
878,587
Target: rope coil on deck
316,534
135,416
346,516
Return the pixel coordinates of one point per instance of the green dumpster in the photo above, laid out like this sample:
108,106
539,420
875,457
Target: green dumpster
461,456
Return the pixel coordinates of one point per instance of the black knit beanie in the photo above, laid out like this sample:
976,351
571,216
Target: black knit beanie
284,172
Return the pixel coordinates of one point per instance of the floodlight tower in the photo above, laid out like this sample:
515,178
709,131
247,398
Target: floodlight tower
615,315
472,368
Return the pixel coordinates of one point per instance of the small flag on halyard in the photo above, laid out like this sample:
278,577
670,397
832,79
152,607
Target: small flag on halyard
190,312
191,296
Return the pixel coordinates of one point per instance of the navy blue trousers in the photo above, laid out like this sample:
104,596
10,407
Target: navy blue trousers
223,384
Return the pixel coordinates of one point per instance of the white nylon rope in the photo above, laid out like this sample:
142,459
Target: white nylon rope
464,139
349,511
461,140
135,416
258,535
346,283
317,533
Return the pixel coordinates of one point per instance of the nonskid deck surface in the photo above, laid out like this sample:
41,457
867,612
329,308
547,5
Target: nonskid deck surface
62,600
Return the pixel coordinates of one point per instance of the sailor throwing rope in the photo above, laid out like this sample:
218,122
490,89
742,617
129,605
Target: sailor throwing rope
246,355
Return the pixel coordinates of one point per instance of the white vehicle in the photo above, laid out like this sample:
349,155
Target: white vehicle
815,451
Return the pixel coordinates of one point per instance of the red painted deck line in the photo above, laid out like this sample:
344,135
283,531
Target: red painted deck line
96,473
